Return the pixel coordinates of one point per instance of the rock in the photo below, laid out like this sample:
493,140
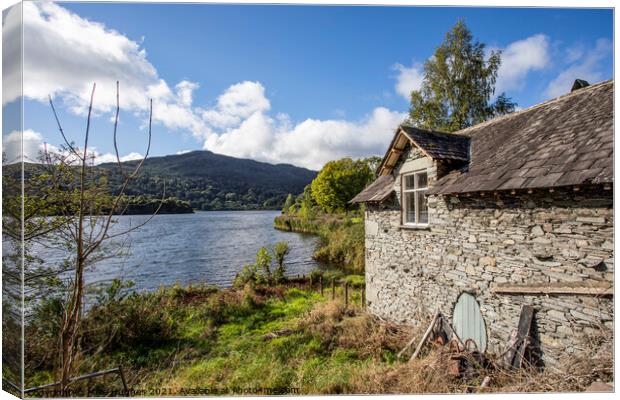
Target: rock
571,254
541,240
557,315
609,245
537,231
543,252
563,229
591,220
372,228
591,262
486,261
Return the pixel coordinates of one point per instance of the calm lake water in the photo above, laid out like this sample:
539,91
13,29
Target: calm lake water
203,247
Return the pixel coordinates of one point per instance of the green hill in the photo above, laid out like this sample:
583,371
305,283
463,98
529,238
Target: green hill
210,181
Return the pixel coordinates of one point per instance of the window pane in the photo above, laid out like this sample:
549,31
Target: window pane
422,180
410,208
409,179
423,207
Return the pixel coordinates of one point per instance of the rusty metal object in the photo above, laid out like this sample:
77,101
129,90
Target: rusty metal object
464,359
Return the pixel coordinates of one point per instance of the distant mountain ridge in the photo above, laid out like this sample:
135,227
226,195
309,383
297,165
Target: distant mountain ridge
211,181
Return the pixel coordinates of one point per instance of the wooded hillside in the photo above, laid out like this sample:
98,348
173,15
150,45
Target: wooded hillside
212,181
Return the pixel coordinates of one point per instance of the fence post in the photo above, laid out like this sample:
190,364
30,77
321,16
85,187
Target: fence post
321,284
362,294
346,294
120,372
333,288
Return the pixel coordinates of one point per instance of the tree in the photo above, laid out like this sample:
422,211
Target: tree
458,84
290,200
87,212
262,264
373,163
280,250
338,182
307,206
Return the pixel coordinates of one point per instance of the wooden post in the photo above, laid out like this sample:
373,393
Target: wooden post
362,292
321,284
122,375
333,288
346,294
426,335
517,338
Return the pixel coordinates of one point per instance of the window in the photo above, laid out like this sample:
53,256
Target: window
415,208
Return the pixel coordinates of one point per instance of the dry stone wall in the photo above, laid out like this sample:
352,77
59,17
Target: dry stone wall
475,242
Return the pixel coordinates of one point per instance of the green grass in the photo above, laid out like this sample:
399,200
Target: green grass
280,337
244,351
241,355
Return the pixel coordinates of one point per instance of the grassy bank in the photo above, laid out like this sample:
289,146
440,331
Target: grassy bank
341,237
293,223
288,336
267,340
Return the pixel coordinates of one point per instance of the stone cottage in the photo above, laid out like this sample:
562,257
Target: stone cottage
514,211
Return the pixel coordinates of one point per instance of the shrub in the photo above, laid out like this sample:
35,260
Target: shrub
260,272
343,245
280,251
245,276
262,265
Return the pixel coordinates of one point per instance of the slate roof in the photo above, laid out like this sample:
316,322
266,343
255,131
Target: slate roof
439,145
377,191
562,142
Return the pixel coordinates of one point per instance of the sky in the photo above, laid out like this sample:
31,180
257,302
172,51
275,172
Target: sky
283,84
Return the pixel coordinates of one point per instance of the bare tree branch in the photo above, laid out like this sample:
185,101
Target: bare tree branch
118,158
60,128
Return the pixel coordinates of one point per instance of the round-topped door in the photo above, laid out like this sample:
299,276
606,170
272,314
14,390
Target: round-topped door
467,321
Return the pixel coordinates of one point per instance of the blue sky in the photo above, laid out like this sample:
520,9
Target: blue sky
295,84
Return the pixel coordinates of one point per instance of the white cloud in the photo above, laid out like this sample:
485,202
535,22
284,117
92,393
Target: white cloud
574,53
585,67
408,79
185,91
34,148
12,146
518,59
241,126
238,102
11,69
67,53
64,54
310,143
109,157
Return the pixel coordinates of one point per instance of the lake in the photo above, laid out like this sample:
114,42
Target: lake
204,247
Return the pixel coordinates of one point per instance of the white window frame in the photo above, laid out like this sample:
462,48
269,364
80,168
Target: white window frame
415,190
